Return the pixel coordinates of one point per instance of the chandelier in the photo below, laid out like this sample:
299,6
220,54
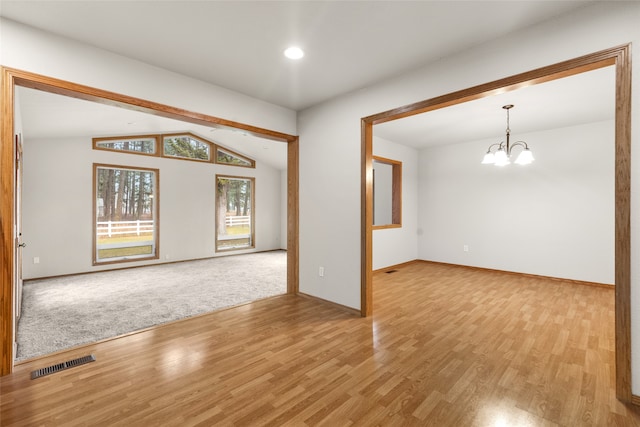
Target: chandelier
502,154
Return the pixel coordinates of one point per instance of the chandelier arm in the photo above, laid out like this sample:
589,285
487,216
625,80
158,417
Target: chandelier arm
502,154
499,144
520,143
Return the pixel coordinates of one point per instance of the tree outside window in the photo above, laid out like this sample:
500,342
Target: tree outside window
234,213
126,225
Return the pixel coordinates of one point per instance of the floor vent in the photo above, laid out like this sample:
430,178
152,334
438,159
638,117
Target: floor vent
390,271
62,366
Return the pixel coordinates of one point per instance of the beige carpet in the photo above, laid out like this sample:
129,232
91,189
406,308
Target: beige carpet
68,311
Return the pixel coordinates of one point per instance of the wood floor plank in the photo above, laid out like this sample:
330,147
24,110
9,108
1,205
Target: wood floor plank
446,346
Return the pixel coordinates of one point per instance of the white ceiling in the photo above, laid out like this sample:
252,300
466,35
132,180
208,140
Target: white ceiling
238,44
349,45
570,101
51,116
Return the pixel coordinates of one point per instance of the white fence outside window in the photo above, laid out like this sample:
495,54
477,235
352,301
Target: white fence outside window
237,220
115,228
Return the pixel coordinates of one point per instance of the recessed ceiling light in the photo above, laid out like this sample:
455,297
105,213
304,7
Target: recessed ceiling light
294,52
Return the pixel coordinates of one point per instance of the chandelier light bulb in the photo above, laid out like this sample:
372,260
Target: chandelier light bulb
501,158
488,159
525,157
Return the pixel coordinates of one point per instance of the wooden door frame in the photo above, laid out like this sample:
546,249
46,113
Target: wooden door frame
620,57
10,78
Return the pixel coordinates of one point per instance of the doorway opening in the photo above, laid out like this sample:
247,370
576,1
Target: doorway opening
13,79
619,57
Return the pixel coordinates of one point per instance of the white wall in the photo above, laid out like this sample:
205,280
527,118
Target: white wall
394,246
554,217
58,206
330,149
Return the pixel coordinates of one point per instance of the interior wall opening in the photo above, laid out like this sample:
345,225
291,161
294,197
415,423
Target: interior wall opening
260,140
615,56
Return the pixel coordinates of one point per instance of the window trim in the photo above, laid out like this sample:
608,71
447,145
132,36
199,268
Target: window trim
97,140
233,153
211,145
156,212
253,212
159,148
396,193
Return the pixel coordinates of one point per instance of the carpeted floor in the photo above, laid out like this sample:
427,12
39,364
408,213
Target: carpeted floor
68,311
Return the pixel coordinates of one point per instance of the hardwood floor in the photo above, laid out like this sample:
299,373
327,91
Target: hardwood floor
446,346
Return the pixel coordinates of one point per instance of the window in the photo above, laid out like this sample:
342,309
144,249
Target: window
126,220
387,193
234,213
228,157
186,146
136,144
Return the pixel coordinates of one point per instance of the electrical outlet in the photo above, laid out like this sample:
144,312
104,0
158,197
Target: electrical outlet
465,248
36,260
321,271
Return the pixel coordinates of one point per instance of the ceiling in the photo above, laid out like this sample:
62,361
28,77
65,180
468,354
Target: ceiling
583,98
238,45
349,45
51,116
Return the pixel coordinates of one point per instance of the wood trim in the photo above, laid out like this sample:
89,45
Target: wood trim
514,273
74,90
366,220
156,214
620,56
212,147
386,160
623,223
293,207
396,193
396,266
635,399
552,72
517,273
11,77
97,140
233,153
7,221
384,227
159,148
